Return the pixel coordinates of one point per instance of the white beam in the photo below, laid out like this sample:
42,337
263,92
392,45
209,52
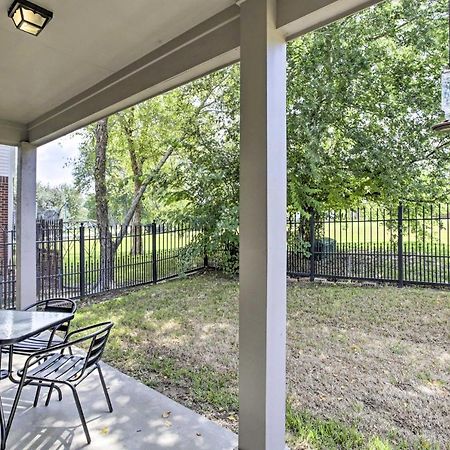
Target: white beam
26,226
262,316
295,17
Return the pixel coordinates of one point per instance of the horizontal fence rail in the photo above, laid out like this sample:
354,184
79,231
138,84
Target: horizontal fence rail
408,244
75,260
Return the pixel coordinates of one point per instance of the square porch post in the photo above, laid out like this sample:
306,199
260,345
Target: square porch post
26,226
262,317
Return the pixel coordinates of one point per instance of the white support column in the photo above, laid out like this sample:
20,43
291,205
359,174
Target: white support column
262,327
26,226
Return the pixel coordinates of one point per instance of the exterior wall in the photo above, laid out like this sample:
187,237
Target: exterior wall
7,174
4,202
4,214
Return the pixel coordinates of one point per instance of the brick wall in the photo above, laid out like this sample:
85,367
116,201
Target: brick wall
3,212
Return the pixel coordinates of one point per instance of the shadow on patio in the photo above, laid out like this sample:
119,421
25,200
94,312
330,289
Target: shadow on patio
142,419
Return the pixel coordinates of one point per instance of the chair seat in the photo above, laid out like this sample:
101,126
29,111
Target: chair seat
30,345
50,367
56,368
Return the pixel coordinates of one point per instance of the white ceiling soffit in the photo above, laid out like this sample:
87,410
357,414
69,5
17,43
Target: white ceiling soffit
124,54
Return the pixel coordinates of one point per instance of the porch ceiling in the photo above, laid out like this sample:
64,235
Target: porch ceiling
98,57
83,44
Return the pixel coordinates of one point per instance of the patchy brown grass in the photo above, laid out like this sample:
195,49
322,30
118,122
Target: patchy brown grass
368,367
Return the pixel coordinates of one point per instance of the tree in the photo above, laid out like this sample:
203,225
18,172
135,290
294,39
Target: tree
101,202
363,94
64,199
150,134
128,126
204,183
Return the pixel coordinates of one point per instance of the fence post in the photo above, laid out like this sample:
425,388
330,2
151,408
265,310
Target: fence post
205,252
82,263
312,241
400,247
60,259
154,255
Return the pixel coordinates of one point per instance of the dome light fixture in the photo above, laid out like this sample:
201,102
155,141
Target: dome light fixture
29,17
444,126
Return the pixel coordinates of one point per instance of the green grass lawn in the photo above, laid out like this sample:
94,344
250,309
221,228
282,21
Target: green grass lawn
368,367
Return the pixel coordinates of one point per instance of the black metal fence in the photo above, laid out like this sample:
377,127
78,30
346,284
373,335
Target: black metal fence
408,244
75,260
8,268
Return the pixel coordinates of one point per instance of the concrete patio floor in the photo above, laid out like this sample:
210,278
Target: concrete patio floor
142,419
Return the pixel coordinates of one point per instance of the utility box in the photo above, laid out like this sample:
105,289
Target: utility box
324,247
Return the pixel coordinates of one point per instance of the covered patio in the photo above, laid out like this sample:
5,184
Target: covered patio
94,60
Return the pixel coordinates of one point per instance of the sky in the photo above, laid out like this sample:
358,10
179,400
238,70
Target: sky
53,159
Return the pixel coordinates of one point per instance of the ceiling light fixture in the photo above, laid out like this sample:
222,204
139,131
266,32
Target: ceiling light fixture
29,17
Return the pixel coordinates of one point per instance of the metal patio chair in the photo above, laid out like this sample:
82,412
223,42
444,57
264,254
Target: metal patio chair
45,340
51,367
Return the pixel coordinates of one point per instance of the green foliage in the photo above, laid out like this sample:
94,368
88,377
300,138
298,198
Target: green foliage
363,94
204,185
64,199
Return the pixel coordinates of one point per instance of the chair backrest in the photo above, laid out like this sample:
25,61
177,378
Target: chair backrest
62,305
98,345
96,339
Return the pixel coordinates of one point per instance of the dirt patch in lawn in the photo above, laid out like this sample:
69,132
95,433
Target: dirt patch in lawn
374,358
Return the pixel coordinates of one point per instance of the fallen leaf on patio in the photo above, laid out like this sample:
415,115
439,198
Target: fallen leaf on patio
166,414
104,431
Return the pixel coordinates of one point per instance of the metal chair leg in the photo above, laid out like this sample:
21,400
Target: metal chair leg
105,389
49,395
2,427
80,413
14,407
36,397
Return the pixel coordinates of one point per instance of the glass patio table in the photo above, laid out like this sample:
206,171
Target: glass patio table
16,326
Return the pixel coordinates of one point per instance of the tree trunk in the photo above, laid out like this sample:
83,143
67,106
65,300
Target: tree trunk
137,229
136,167
145,182
138,197
106,276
